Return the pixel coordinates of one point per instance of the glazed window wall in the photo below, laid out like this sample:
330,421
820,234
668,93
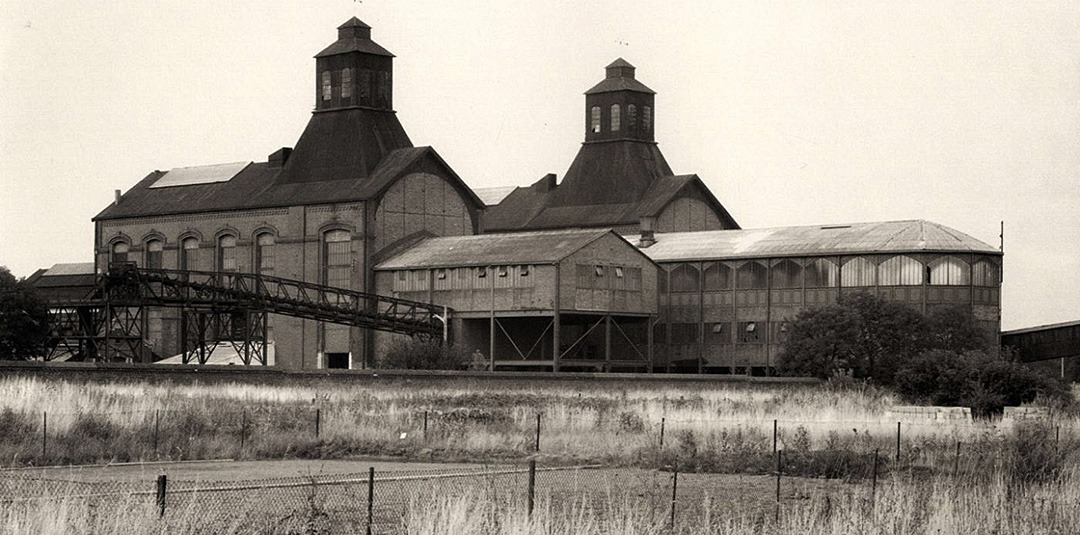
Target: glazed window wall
752,275
717,277
857,272
985,273
900,271
684,279
822,273
948,271
787,274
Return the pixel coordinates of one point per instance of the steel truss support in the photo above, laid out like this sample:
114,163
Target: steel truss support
203,330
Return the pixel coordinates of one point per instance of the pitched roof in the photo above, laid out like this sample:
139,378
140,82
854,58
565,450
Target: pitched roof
65,282
357,40
494,195
493,249
913,236
608,85
344,144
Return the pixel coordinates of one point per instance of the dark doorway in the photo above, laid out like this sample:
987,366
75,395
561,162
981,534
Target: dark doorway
338,361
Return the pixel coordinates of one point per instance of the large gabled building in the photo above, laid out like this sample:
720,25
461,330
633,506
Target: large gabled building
621,265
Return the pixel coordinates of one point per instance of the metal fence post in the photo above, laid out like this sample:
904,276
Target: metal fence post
775,433
779,472
162,482
537,432
532,485
425,425
44,434
674,493
873,483
662,423
243,430
898,444
318,422
157,430
370,498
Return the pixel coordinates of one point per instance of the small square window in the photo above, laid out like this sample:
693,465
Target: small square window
481,273
599,271
503,271
618,272
440,274
718,328
523,271
751,327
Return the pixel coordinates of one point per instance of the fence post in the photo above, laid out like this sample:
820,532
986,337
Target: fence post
44,434
779,471
243,430
537,432
775,433
318,422
662,423
157,419
532,485
425,425
873,484
162,481
956,460
674,493
370,498
897,444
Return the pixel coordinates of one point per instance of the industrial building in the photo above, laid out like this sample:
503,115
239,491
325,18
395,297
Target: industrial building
621,265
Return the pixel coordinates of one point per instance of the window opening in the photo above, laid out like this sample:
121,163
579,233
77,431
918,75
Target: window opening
595,119
646,118
189,253
346,83
227,253
153,254
264,253
631,116
120,252
618,271
615,118
599,271
440,274
337,258
524,271
327,89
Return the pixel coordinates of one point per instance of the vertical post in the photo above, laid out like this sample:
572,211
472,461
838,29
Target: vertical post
157,429
674,493
775,433
44,434
243,430
663,421
1062,367
1057,436
537,448
956,460
445,324
318,421
897,444
607,343
779,472
370,498
491,326
532,485
162,481
425,425
873,484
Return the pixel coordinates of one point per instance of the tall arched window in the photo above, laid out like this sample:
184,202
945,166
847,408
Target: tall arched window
327,89
822,273
646,118
337,258
189,254
857,272
900,271
948,270
615,118
382,95
787,274
365,84
264,253
631,117
684,278
226,253
153,254
120,252
346,83
717,277
594,118
752,275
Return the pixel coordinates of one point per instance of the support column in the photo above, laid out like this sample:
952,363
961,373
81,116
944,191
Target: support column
556,350
607,343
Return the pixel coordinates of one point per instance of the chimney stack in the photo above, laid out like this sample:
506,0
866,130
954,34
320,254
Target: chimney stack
116,193
648,236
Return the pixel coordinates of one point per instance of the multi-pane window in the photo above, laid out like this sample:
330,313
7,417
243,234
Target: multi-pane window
948,270
226,253
120,252
900,271
752,276
383,94
984,273
594,118
264,253
365,84
822,273
337,258
646,118
631,116
189,253
717,277
857,272
346,83
787,274
615,119
327,89
153,254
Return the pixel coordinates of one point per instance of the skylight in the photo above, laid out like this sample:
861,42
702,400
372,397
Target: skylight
203,174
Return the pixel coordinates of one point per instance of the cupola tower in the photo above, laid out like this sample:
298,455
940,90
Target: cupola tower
354,71
619,107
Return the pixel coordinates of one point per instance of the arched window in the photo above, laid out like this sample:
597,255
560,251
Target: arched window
337,258
365,84
383,94
984,273
900,271
646,118
120,252
153,254
752,276
787,274
822,273
614,117
684,278
346,83
631,117
717,277
226,253
594,118
189,254
948,271
327,89
264,253
857,272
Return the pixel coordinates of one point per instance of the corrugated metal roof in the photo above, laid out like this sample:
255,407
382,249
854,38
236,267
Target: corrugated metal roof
493,249
1038,328
203,174
856,238
77,268
493,196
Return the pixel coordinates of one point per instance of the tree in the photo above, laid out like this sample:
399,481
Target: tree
24,318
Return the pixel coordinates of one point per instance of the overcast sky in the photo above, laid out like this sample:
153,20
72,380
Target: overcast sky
962,113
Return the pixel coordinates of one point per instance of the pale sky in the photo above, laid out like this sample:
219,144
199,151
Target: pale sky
962,113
